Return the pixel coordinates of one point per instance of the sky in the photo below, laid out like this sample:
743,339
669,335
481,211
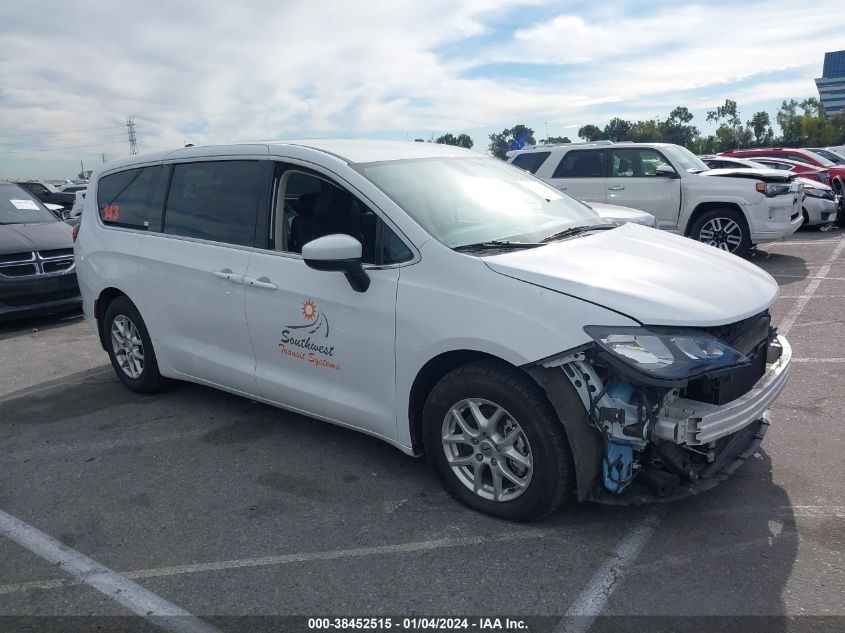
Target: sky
218,72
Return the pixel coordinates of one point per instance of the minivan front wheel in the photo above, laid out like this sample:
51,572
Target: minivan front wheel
723,228
495,442
129,347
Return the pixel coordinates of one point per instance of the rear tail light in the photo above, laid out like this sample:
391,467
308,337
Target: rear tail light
74,232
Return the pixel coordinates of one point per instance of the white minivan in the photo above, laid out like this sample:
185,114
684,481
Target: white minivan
442,301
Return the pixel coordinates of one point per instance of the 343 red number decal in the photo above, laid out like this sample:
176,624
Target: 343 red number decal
111,212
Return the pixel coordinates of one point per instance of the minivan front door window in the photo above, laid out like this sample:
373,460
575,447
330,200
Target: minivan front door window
309,207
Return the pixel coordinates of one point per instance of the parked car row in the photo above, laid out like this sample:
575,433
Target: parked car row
820,204
37,270
59,200
727,208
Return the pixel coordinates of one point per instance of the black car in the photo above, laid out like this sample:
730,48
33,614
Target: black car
64,198
37,272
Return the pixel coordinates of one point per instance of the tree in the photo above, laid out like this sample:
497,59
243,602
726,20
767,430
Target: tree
790,123
730,134
761,125
590,133
516,137
646,131
617,130
461,140
676,128
555,139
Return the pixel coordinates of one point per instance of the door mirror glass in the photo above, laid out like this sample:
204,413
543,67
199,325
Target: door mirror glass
340,253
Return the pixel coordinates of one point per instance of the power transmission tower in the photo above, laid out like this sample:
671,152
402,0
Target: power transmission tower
133,140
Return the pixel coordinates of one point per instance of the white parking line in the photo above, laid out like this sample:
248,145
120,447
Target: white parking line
805,277
818,360
800,243
284,559
802,302
111,584
591,601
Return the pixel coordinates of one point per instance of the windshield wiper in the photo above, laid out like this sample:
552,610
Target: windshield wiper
577,230
480,246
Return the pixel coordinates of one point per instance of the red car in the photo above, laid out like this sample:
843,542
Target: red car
801,169
836,173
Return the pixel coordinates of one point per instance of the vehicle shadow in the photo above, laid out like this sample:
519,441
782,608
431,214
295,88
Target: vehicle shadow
786,269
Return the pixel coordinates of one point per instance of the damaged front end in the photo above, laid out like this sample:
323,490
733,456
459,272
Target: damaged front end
671,411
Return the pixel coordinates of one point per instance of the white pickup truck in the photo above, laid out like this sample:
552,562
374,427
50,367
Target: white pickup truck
668,181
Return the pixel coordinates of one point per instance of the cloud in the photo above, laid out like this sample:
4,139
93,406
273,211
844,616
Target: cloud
218,72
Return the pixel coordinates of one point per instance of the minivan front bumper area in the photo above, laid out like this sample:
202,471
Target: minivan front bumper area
682,447
698,423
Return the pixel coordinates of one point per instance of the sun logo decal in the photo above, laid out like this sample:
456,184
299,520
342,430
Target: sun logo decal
309,310
315,320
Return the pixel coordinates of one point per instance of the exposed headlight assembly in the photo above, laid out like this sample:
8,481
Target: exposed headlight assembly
664,357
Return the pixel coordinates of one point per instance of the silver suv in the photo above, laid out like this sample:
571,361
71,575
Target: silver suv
669,181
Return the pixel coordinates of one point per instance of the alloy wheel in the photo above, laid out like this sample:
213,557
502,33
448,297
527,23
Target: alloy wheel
127,346
723,233
487,449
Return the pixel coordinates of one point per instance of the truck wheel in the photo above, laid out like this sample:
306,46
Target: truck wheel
495,442
723,228
130,348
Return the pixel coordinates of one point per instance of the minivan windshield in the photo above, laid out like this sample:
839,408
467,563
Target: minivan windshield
464,201
686,159
18,206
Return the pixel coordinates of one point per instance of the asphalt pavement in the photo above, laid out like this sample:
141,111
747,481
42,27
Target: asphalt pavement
224,507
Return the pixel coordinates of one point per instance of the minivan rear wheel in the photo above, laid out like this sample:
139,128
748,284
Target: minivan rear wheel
130,348
723,228
495,442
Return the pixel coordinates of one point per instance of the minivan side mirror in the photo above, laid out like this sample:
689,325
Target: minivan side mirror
338,252
666,171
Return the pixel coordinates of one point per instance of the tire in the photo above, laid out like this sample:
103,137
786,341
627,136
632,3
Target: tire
124,331
527,426
723,228
806,219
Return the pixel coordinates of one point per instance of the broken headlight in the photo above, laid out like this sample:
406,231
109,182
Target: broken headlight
665,355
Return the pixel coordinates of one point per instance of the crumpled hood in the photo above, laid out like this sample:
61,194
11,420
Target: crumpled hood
654,277
38,236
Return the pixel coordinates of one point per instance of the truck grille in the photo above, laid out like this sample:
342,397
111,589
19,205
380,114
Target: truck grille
749,336
34,263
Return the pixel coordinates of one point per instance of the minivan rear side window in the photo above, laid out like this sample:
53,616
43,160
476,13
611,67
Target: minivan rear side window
530,162
132,198
215,201
581,163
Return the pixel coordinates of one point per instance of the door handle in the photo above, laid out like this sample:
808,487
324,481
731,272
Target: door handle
261,282
616,188
228,275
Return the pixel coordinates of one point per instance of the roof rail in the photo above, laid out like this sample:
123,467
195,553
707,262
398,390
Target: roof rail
544,145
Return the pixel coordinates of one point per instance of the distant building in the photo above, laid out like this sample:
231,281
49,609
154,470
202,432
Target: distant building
831,84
